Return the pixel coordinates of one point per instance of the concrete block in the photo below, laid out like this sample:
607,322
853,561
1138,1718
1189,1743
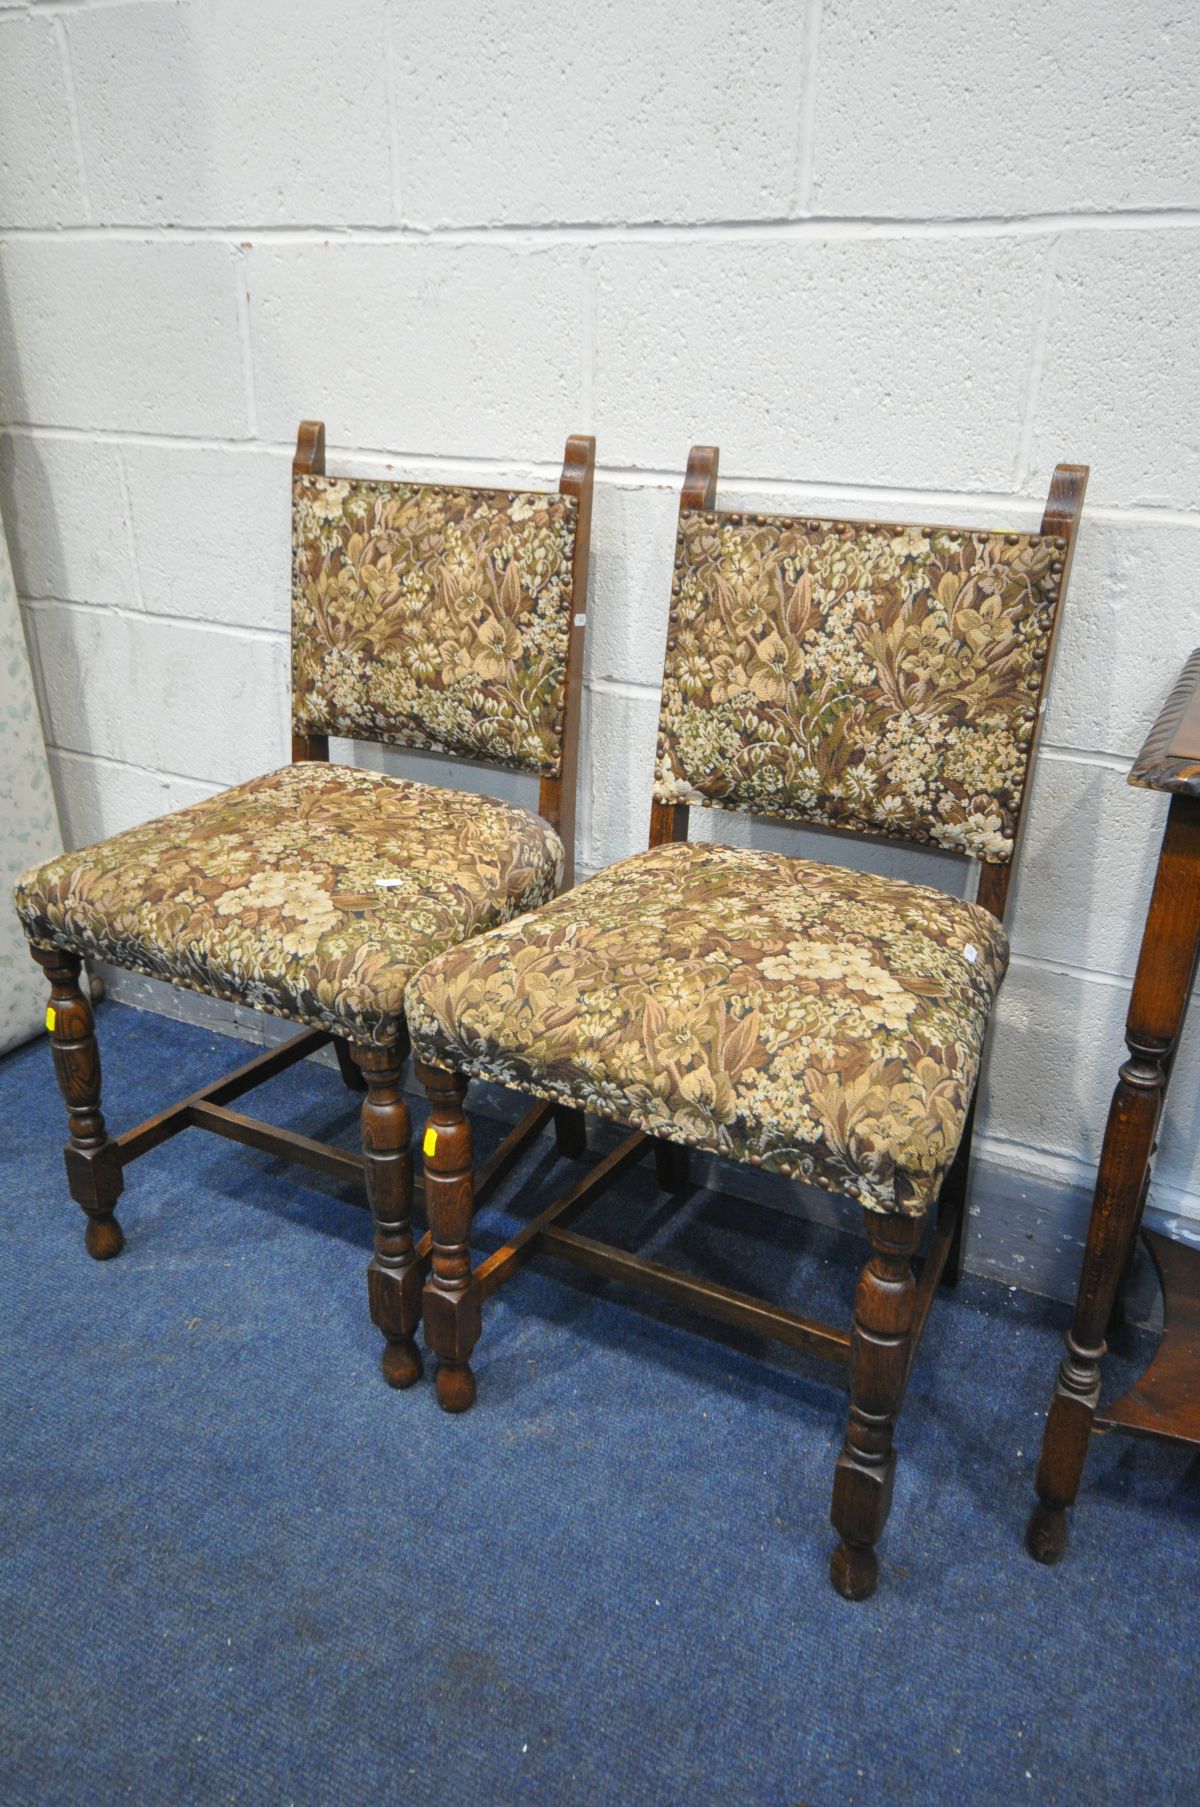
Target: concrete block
160,999
1057,1043
633,550
1130,623
65,519
140,337
39,172
1122,365
202,703
1087,863
915,865
460,349
518,788
218,113
617,762
212,532
878,361
97,799
944,111
619,112
1054,1052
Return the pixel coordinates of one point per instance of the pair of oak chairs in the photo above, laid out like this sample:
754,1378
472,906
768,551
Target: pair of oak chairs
819,1023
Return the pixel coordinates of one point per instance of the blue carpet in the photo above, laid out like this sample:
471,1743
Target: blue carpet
236,1568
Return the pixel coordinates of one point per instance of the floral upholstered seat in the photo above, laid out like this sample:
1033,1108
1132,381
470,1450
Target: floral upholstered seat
821,1023
312,893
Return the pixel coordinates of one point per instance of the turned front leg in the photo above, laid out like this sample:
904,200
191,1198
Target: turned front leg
93,1160
451,1299
880,1345
394,1275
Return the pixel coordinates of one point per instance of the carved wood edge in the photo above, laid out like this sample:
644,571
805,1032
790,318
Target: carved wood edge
1170,758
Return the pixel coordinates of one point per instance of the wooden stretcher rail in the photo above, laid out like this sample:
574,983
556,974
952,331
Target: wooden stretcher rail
493,1272
549,1233
243,1079
207,1109
704,1296
322,1157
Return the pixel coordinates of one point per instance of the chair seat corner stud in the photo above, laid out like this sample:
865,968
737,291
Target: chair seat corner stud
816,1022
313,893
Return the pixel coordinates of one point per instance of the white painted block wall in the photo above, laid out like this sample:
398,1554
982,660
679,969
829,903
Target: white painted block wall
895,260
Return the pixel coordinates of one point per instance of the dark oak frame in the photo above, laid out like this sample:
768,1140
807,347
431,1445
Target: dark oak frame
96,1161
891,1304
1164,1404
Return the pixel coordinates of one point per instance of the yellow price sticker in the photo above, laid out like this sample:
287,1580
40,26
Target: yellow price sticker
51,1019
429,1145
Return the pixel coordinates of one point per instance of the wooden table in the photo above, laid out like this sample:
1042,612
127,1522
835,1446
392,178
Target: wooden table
1165,1403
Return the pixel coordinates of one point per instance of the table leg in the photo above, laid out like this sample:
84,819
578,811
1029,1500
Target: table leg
1166,967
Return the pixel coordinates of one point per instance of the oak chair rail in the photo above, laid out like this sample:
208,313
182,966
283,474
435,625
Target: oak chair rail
96,1162
892,1305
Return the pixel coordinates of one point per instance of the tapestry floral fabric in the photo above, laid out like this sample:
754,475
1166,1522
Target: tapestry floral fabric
884,679
311,894
432,617
817,1022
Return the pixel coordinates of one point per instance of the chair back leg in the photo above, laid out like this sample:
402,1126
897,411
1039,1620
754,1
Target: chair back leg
953,1197
348,1067
570,1132
671,1166
93,1160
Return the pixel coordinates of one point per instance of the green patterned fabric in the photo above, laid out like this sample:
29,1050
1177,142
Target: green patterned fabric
817,1022
312,893
884,679
433,617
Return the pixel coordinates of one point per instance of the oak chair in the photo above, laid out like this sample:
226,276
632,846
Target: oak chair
816,1022
423,616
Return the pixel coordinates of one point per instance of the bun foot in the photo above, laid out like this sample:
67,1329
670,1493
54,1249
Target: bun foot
401,1362
103,1238
1046,1533
455,1387
854,1572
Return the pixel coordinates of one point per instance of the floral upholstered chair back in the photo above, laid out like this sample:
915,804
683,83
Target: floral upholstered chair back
433,617
875,678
